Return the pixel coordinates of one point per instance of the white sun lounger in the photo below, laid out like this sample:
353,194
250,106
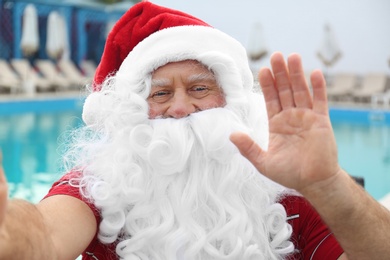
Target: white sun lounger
73,74
88,67
372,84
9,80
30,76
342,86
50,71
381,99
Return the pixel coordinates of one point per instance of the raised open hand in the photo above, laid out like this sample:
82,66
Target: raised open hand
302,149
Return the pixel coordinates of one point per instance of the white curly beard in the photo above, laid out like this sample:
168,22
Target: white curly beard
179,189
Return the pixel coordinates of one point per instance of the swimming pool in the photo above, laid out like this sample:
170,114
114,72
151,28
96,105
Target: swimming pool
363,140
30,139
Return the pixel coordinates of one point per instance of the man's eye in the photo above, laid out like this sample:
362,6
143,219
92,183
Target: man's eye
199,91
160,93
160,96
200,88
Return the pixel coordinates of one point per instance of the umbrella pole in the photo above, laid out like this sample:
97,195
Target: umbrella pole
327,77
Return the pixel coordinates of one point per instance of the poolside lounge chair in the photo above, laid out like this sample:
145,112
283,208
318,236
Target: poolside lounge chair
381,99
9,80
88,67
50,71
73,74
342,86
30,76
372,84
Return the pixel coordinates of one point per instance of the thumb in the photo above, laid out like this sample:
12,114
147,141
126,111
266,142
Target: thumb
249,149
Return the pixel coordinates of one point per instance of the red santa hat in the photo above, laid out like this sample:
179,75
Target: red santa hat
155,35
148,36
139,22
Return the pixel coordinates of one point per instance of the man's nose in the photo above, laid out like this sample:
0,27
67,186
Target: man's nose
180,106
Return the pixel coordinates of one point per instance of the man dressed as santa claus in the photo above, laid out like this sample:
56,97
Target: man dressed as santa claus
153,173
155,159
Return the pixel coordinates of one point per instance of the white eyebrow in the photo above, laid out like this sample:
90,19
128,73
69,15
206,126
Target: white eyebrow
201,77
160,83
193,78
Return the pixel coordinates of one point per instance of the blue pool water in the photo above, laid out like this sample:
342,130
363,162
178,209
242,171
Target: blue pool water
30,139
363,140
30,134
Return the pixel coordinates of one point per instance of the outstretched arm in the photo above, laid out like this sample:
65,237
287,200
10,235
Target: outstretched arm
302,155
59,227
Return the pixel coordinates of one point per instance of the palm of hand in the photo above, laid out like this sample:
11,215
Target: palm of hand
302,151
301,142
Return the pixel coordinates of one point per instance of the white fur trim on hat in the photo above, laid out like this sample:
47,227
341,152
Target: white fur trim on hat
183,43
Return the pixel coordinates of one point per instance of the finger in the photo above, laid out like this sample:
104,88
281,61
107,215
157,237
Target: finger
301,93
282,80
249,149
270,93
320,100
